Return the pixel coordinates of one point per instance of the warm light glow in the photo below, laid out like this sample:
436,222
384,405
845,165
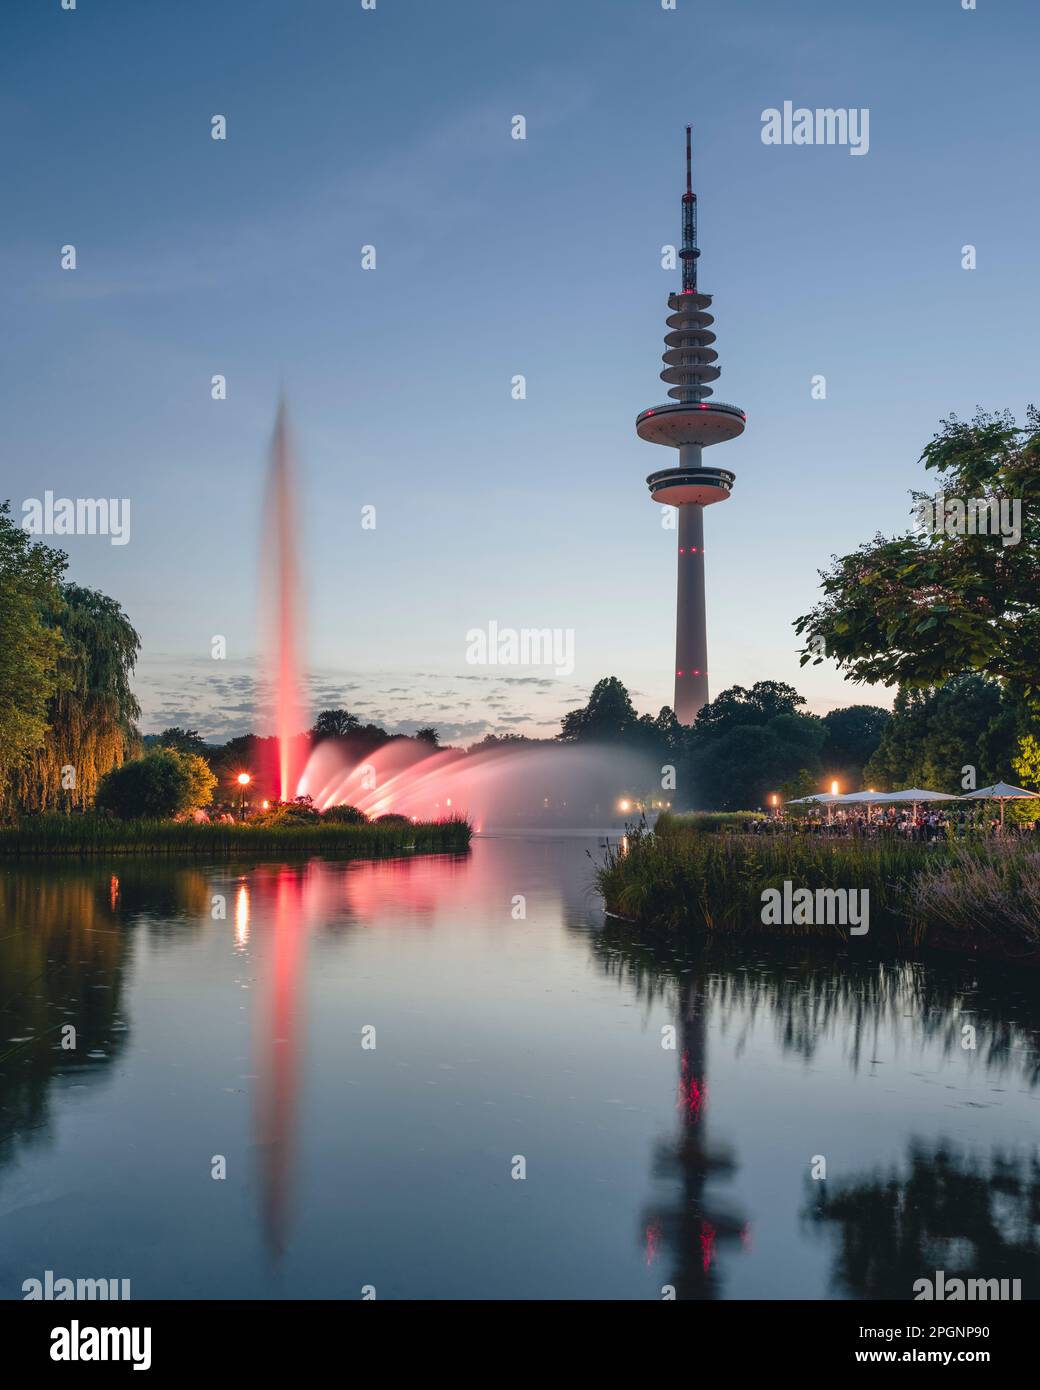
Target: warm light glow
244,779
242,916
834,789
264,805
624,805
773,799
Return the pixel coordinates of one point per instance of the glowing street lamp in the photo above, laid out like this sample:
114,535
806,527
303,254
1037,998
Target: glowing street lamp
243,779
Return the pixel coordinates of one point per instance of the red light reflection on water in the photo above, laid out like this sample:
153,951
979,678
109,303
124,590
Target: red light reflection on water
692,1095
653,1241
708,1234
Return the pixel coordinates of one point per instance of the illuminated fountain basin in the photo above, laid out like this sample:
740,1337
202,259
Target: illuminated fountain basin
556,785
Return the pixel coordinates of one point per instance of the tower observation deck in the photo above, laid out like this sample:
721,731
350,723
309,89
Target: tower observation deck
690,422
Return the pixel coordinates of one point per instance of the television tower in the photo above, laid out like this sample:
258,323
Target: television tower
690,425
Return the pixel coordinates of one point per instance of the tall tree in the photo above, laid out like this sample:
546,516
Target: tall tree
737,707
853,734
92,713
607,718
183,740
30,643
920,608
334,723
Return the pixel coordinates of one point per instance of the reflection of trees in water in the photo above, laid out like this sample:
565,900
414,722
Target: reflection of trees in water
948,1211
893,1231
812,995
63,955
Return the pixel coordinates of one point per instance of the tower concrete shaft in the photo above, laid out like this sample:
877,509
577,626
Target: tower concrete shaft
691,627
690,423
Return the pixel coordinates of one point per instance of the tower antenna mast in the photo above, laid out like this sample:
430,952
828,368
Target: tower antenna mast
690,422
689,252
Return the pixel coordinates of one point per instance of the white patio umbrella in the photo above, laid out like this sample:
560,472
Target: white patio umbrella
917,795
1002,792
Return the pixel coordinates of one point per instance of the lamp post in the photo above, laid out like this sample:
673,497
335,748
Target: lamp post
243,780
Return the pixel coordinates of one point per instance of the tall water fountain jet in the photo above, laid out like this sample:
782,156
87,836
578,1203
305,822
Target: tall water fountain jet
283,628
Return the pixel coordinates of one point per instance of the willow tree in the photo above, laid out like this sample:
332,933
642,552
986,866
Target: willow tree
30,595
91,715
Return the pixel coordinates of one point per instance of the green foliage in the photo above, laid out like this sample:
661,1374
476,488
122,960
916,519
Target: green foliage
747,763
933,734
740,708
92,711
153,787
344,815
97,834
334,723
853,734
1026,762
181,740
428,735
607,718
288,813
691,884
919,609
683,822
201,781
30,644
391,818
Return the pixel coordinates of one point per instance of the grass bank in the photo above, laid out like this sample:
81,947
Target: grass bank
90,835
984,897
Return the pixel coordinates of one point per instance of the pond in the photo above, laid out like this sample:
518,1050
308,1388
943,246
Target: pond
452,1077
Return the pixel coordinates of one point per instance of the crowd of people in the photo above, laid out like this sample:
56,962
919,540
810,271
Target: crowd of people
921,823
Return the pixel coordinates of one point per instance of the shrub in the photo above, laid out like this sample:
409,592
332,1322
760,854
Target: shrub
672,823
288,813
158,786
201,780
391,818
344,815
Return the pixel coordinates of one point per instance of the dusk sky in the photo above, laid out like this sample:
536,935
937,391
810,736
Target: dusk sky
496,257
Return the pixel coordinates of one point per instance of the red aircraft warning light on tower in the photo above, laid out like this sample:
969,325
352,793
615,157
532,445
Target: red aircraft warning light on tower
690,424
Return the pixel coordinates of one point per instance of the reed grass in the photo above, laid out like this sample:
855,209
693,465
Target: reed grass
989,894
89,835
677,822
707,883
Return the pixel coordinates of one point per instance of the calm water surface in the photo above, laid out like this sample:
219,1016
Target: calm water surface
545,1036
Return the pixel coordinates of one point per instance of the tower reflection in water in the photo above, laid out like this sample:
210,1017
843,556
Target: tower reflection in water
690,1224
